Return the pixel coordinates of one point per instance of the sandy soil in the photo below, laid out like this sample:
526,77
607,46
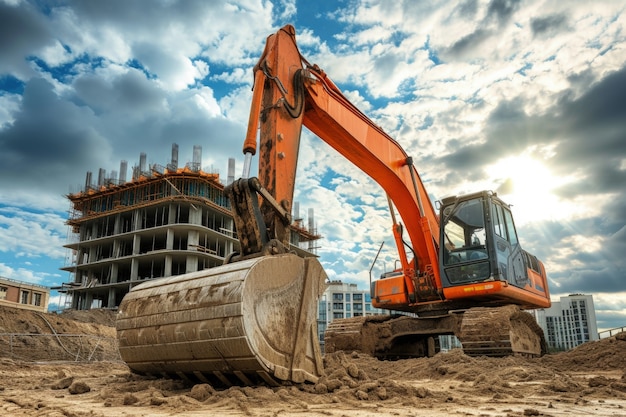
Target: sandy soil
587,381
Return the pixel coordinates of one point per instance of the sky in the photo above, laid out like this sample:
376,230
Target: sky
525,98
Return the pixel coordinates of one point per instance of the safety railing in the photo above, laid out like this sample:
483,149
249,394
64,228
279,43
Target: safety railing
611,332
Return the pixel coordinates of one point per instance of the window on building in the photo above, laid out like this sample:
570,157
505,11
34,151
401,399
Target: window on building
357,297
24,299
337,296
337,306
337,315
37,299
358,307
348,297
3,293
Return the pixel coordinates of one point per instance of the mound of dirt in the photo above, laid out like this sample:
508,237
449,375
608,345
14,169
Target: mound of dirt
32,336
102,316
601,355
589,380
89,322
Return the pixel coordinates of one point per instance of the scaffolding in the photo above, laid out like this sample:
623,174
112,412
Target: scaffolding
183,183
165,221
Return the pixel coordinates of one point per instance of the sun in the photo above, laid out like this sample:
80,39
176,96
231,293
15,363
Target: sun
528,186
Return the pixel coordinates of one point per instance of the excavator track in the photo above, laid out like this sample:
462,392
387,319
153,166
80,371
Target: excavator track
389,337
353,334
483,331
500,331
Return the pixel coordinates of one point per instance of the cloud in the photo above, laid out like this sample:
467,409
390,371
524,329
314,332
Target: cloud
103,118
46,132
545,26
502,10
30,234
91,84
469,43
587,128
22,31
129,91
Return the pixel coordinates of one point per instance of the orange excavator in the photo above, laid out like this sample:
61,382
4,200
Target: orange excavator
254,320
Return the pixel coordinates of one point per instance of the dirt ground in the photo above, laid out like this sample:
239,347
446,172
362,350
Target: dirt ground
587,381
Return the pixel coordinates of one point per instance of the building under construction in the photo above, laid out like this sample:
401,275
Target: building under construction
164,221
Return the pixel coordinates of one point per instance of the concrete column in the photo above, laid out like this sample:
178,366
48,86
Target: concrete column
167,270
172,213
193,238
88,300
195,215
116,249
117,228
134,269
192,264
137,220
229,245
136,244
111,301
169,239
84,232
92,254
75,301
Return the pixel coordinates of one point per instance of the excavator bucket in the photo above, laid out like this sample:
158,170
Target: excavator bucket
245,323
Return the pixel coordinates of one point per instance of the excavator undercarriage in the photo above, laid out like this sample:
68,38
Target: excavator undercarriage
482,331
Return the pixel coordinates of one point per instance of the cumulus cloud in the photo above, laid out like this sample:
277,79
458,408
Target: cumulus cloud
22,30
31,234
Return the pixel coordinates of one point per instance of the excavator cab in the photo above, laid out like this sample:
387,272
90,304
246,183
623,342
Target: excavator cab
480,254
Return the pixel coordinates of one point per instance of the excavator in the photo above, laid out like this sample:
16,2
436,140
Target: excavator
253,320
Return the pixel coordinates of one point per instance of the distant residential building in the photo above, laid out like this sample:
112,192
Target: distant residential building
342,300
24,295
569,322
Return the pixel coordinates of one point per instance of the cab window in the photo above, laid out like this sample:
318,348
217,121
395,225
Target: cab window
498,221
510,227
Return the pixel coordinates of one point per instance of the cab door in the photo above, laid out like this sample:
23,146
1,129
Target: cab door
509,254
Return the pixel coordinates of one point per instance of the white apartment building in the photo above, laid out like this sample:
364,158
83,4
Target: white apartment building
569,322
342,300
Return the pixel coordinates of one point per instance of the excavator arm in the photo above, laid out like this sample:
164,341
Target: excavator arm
289,93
